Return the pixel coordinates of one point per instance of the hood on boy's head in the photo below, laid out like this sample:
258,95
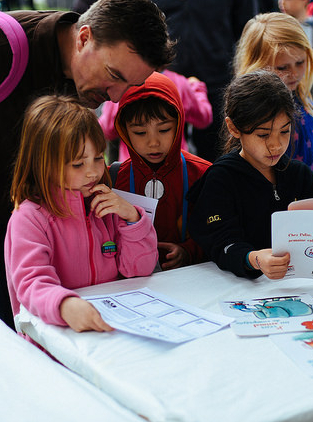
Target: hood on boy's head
157,85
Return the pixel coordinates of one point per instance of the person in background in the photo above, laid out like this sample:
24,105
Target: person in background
265,6
234,200
80,6
207,32
197,108
96,56
150,121
299,10
68,229
276,41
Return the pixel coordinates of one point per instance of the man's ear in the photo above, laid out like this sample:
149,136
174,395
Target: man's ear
232,128
84,35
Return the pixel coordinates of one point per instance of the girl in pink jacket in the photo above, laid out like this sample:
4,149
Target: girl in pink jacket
69,229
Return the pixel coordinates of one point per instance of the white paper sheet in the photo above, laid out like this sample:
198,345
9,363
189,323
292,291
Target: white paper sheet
264,316
148,204
149,314
292,231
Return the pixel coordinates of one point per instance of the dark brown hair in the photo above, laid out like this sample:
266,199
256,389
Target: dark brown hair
145,109
253,99
140,23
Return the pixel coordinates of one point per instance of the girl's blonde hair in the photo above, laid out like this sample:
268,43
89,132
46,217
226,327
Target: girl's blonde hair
263,37
53,131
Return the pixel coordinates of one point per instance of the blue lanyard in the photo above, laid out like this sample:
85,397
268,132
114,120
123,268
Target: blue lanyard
131,179
185,202
185,190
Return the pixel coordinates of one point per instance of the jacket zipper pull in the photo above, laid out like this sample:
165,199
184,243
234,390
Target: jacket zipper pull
154,186
275,193
91,249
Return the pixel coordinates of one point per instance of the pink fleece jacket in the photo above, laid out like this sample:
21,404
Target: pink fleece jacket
47,256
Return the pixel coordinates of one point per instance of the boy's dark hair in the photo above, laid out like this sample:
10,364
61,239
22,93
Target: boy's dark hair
253,99
146,109
140,23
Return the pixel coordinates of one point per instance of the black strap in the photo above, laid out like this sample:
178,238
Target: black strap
113,170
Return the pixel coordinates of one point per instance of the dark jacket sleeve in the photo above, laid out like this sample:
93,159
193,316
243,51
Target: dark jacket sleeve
215,223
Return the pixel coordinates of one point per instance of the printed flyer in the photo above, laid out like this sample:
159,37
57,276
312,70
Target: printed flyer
272,315
292,231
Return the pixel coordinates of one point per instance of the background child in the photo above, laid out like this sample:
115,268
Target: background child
299,10
68,229
150,121
231,219
197,108
276,41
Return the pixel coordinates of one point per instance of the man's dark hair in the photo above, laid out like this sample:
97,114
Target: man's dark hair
140,23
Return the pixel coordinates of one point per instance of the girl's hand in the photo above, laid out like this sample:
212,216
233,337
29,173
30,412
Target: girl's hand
176,256
80,315
274,267
107,202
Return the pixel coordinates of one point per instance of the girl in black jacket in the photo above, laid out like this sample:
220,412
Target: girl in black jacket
236,197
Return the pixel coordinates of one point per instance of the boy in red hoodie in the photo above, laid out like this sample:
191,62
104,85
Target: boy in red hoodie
150,121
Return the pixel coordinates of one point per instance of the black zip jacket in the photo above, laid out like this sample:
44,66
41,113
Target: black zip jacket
233,204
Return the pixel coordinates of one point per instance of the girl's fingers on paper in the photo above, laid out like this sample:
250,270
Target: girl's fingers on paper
96,322
283,260
101,325
81,315
276,272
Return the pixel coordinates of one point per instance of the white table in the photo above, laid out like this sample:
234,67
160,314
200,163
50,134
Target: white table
219,378
34,388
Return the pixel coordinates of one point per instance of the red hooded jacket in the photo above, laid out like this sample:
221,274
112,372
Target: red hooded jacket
168,218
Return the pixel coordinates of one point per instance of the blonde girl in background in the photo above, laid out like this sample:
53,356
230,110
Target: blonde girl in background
68,228
277,42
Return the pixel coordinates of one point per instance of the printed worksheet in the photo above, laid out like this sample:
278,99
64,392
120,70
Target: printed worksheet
148,204
292,231
150,314
299,348
271,315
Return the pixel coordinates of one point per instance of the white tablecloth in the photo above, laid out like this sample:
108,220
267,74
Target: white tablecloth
218,378
34,388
